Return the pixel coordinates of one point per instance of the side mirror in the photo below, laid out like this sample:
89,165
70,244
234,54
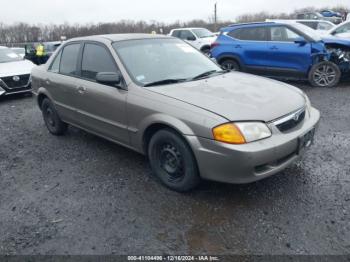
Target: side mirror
300,41
191,38
109,78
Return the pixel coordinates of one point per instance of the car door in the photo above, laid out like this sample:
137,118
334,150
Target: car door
250,46
61,80
285,55
101,108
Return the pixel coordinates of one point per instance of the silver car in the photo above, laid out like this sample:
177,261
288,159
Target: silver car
161,97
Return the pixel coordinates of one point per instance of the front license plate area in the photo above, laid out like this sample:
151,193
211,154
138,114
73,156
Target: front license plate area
306,141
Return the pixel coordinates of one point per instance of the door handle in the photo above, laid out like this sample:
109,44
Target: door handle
274,48
238,46
47,81
81,89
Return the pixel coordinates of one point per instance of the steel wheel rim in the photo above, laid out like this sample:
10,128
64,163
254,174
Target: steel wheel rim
49,117
325,75
171,162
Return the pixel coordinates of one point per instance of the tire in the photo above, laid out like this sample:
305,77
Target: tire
52,121
206,51
230,64
172,161
324,74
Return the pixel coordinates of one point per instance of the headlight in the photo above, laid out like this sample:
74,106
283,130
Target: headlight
241,133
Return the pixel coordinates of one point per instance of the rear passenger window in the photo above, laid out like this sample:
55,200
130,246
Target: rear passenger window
96,59
69,58
251,34
55,66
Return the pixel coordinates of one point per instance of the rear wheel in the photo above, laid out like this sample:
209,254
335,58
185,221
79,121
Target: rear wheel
230,65
52,121
324,74
172,161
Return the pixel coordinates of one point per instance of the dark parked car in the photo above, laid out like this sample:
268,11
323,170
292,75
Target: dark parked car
283,50
163,98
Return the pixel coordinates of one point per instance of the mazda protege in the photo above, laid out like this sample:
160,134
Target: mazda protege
161,97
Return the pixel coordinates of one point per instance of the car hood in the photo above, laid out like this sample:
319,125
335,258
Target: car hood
336,40
238,96
16,68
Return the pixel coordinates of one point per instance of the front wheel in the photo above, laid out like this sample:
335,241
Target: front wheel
324,74
172,161
230,65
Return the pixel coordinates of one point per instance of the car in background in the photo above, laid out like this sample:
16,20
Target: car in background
322,26
283,50
161,97
200,38
30,51
318,16
14,73
19,51
330,13
342,30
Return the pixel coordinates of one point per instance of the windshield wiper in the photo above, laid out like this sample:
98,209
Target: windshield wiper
208,73
165,82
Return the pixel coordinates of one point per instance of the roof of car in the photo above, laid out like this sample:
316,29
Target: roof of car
251,24
297,20
188,28
233,26
120,37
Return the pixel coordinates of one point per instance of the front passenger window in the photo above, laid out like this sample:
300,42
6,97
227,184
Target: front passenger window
96,59
283,34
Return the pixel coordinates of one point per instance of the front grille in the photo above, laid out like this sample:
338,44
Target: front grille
16,81
291,121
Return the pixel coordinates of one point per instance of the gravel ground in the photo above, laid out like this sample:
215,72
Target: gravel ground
80,194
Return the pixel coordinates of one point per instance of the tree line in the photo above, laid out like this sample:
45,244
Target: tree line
24,32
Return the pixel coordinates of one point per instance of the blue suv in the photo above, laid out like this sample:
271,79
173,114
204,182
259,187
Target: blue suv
282,50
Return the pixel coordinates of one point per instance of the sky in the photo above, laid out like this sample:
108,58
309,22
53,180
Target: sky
94,11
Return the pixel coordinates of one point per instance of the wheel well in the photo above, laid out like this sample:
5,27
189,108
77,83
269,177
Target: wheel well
230,58
205,47
151,130
41,98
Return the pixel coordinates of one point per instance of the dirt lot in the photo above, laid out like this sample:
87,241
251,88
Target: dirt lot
80,194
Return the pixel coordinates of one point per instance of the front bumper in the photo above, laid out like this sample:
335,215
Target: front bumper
4,91
240,164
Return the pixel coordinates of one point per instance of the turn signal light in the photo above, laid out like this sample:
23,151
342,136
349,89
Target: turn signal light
228,133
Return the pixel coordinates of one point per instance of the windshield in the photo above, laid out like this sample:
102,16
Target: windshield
153,60
313,34
203,33
7,55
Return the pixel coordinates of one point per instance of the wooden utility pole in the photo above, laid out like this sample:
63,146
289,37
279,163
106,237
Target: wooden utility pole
215,16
